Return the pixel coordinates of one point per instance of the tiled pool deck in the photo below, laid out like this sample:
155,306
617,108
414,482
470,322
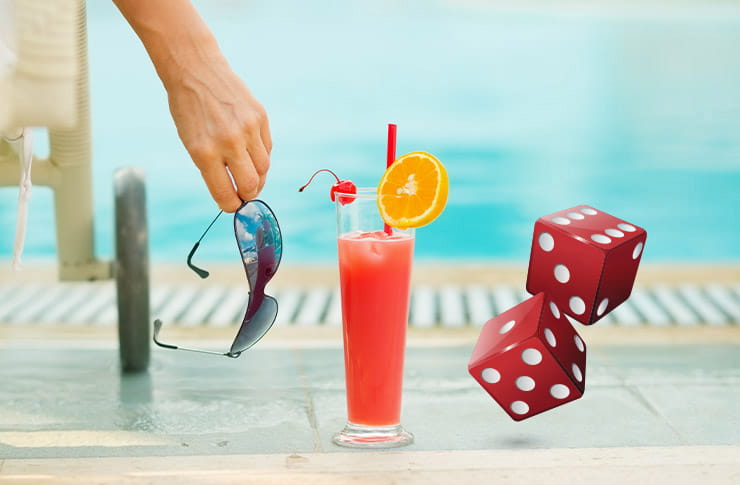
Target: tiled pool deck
660,407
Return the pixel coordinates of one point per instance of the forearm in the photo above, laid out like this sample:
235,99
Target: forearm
174,35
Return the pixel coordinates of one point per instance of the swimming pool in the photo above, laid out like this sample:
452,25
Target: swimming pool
633,111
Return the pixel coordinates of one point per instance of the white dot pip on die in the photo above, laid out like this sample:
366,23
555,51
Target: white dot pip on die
554,309
577,305
602,306
588,211
579,343
507,326
550,337
559,391
525,383
531,356
577,373
637,251
546,241
575,215
600,238
614,232
520,407
562,273
626,227
561,220
492,376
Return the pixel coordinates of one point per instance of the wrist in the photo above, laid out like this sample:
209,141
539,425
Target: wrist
175,56
181,59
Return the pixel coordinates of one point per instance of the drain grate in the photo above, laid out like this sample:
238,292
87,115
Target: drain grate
450,306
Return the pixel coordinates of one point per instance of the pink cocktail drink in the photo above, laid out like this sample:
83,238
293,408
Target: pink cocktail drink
375,274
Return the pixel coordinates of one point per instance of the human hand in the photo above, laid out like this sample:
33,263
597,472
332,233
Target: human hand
224,129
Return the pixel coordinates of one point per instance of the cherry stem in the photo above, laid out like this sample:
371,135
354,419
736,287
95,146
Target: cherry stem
316,173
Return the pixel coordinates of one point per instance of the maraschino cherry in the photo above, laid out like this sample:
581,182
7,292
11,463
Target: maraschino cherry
342,186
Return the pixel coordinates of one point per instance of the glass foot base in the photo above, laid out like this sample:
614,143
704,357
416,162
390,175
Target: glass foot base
359,436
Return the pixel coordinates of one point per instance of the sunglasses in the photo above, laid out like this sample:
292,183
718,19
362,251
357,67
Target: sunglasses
261,246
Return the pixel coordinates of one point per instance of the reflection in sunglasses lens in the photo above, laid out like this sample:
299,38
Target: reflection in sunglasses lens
260,244
257,326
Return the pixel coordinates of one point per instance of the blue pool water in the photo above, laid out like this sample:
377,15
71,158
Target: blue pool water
636,112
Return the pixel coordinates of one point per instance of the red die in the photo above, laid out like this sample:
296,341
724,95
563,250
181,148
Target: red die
585,260
530,359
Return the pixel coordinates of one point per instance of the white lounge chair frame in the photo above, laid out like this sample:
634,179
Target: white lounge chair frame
68,171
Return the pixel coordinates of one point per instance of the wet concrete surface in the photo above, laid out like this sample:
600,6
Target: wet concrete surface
67,401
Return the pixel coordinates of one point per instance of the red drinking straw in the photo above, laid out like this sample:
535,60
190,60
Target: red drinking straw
390,158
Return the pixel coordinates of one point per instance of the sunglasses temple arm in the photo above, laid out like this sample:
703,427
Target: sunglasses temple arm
201,272
200,351
158,325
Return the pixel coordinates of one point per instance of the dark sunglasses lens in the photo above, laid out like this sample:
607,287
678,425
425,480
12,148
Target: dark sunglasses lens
253,329
259,239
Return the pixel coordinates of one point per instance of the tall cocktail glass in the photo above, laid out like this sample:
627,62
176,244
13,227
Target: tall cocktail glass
375,274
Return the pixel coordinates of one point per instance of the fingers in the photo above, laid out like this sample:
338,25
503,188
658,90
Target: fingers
260,157
221,187
265,134
235,159
258,152
266,139
248,160
247,169
245,176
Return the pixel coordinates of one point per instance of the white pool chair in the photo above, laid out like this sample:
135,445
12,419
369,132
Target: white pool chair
45,84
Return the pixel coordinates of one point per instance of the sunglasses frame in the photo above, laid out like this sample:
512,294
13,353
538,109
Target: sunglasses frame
260,274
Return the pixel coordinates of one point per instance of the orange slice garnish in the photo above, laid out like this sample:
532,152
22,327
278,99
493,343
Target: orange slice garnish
413,191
